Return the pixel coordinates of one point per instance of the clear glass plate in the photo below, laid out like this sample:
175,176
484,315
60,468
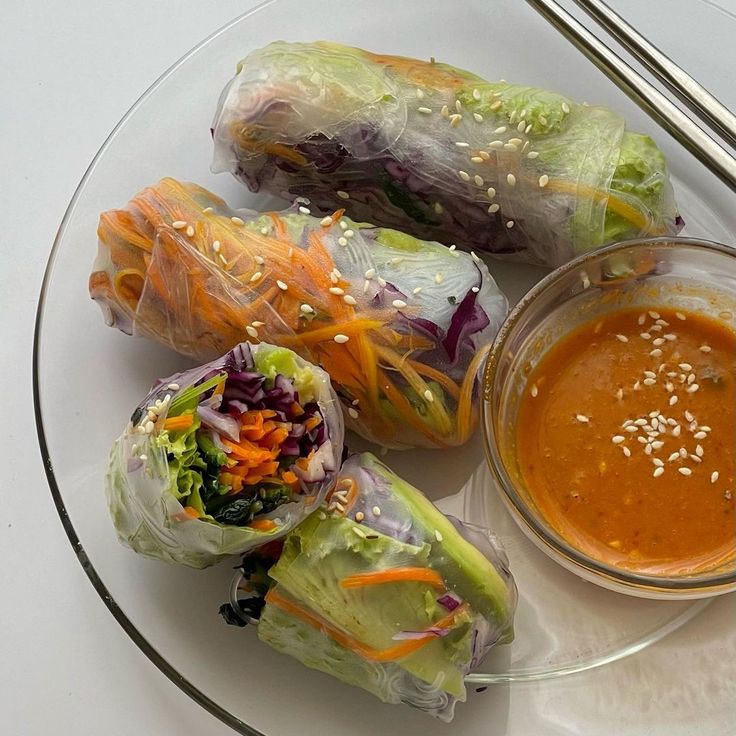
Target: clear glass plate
87,378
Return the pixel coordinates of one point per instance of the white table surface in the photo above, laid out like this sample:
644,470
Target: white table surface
68,72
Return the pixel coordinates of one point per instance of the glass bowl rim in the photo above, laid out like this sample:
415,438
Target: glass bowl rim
524,517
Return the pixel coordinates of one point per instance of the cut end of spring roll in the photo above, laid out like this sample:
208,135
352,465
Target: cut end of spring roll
401,325
225,457
381,590
439,152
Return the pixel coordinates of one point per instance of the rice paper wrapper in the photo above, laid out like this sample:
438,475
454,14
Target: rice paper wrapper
439,152
151,520
383,591
401,325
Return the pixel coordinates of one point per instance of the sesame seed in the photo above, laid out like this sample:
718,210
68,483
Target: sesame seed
366,286
642,319
424,110
281,285
173,387
370,273
305,210
649,381
306,309
705,348
463,175
381,282
438,208
658,462
626,451
477,117
259,260
336,290
648,450
659,470
582,418
416,289
510,224
656,328
618,439
692,388
376,511
495,144
478,180
631,428
455,120
645,336
534,391
669,336
359,516
622,338
356,530
657,445
148,427
510,147
342,194
264,231
673,400
714,476
658,341
528,128
500,130
256,323
190,231
445,111
458,105
676,431
349,300
476,159
654,315
689,416
543,180
495,105
532,154
342,241
429,396
619,393
343,225
683,453
520,127
642,440
565,108
334,278
637,386
700,435
494,208
650,374
398,303
691,378
670,386
438,277
178,224
462,144
656,353
474,256
704,428
354,414
326,221
252,331
695,459
238,220
684,471
340,338
256,276
640,422
476,94
511,180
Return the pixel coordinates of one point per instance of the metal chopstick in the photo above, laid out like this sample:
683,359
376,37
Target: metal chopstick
710,110
662,110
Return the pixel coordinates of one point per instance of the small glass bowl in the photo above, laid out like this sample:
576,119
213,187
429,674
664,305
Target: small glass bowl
683,273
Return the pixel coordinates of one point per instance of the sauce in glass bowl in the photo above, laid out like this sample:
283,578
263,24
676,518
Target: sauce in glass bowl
626,440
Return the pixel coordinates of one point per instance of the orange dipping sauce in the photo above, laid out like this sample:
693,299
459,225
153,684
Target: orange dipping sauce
626,440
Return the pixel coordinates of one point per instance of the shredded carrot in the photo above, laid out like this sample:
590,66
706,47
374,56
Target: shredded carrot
345,640
291,479
190,511
395,575
262,525
174,424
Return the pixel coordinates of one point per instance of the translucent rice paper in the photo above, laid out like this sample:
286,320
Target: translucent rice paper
440,153
151,520
406,641
401,325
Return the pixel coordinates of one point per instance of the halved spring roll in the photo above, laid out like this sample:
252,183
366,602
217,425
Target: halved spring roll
225,457
381,590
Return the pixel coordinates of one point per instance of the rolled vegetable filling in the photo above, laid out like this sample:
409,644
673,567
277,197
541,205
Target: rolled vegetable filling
440,152
224,457
381,590
401,325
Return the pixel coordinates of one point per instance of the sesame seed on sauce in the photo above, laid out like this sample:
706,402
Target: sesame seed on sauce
340,338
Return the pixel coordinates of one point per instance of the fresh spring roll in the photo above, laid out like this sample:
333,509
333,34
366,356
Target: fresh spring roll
401,325
381,590
225,457
439,152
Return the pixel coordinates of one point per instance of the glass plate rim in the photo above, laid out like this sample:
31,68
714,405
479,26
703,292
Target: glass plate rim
111,604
